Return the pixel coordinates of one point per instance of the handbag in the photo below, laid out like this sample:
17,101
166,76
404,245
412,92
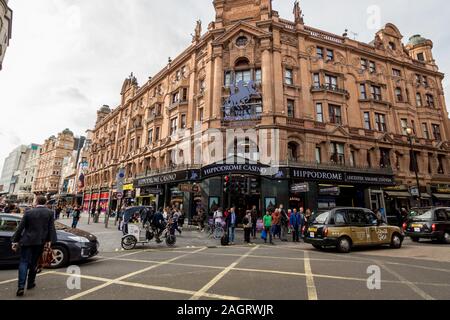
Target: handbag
264,235
46,258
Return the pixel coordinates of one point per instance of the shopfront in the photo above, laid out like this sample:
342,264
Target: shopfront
441,196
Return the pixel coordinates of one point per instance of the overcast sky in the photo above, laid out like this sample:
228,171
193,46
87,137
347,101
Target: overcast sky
69,57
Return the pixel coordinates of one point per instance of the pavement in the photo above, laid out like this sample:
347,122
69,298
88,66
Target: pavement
198,268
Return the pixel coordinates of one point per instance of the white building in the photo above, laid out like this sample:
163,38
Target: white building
12,168
28,174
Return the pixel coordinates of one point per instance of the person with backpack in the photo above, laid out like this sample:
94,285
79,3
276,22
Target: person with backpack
284,223
254,214
267,220
76,215
247,222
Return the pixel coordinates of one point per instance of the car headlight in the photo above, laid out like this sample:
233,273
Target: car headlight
79,239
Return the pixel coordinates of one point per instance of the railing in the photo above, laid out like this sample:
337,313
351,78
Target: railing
288,24
316,33
329,87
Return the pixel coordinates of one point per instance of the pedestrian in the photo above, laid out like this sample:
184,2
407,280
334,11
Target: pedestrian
68,211
308,215
276,224
284,224
176,218
267,221
76,217
201,219
255,217
231,225
248,224
36,231
295,221
58,212
93,212
218,218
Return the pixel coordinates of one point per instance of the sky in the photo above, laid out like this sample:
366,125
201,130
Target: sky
67,58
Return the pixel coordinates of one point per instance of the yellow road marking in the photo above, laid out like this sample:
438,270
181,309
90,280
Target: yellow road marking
312,291
217,278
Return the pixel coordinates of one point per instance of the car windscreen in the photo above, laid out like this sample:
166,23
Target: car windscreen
321,218
424,217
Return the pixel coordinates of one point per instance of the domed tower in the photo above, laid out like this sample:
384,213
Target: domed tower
229,11
102,113
421,49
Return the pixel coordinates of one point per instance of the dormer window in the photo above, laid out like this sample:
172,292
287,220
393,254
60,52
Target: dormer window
421,56
241,41
392,46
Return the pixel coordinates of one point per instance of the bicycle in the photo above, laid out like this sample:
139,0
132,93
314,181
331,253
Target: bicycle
215,231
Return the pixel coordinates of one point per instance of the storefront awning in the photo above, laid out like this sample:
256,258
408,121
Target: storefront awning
442,196
398,194
425,196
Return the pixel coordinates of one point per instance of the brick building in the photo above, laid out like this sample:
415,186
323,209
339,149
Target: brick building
344,110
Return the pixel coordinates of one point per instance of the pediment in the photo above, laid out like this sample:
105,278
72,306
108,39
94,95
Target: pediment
340,131
386,138
241,27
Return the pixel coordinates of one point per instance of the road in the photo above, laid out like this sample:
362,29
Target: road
199,269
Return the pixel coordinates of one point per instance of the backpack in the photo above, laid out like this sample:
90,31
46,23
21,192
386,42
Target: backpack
225,241
245,221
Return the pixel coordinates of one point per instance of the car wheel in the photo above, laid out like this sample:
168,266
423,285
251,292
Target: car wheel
396,242
415,239
446,238
129,243
60,257
317,247
344,245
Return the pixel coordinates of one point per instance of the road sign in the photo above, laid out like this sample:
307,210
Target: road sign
120,179
119,195
191,188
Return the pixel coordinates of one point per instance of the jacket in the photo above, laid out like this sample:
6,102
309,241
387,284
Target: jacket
249,224
228,219
276,219
36,228
267,221
296,220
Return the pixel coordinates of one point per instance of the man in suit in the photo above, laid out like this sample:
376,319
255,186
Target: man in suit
36,230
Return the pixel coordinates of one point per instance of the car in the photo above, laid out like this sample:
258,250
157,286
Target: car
72,245
346,228
433,224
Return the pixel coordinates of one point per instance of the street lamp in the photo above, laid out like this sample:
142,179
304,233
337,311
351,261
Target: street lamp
410,133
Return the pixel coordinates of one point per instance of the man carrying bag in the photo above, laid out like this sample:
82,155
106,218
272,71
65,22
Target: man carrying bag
36,231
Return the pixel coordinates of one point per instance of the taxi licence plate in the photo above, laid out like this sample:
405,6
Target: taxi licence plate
416,225
312,235
417,230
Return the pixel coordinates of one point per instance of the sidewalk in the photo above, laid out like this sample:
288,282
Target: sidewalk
110,239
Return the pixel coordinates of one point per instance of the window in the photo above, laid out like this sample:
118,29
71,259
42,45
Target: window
372,67
316,80
288,77
131,145
339,218
425,81
369,159
430,166
441,159
367,124
183,121
330,55
392,46
318,155
437,132
396,73
258,76
364,64
178,75
335,114
331,82
426,132
291,108
202,86
413,167
320,52
418,99
185,95
319,112
376,93
244,75
413,127
173,126
430,101
200,114
380,120
399,94
337,153
157,131
175,97
241,41
8,224
228,79
421,56
407,95
363,92
418,79
404,125
385,158
353,158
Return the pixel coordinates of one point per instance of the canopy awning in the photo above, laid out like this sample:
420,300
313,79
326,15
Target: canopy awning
442,196
398,194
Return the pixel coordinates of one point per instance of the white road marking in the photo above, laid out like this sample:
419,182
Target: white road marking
217,278
312,291
82,294
16,279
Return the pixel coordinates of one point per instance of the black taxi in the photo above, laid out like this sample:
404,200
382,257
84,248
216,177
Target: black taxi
430,223
345,228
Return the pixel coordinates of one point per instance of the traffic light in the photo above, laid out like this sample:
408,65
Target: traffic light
227,184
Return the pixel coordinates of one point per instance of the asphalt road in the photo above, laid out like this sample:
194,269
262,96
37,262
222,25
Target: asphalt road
196,269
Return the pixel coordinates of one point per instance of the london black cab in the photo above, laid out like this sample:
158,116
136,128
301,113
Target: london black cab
431,223
346,228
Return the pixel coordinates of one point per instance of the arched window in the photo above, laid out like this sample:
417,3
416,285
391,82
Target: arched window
293,151
242,41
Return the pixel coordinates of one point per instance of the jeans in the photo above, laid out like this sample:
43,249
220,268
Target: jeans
247,232
29,257
231,230
284,232
296,234
253,233
75,223
269,234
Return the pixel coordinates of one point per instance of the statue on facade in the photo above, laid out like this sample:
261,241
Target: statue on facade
298,12
198,31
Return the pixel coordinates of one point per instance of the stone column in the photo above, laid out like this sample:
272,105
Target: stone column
218,83
267,76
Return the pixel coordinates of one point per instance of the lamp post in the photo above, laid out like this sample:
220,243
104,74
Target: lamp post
410,133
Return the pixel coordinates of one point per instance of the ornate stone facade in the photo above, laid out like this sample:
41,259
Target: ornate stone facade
337,102
5,28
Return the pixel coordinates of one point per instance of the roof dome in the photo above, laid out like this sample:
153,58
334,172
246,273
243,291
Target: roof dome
105,109
416,40
67,131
